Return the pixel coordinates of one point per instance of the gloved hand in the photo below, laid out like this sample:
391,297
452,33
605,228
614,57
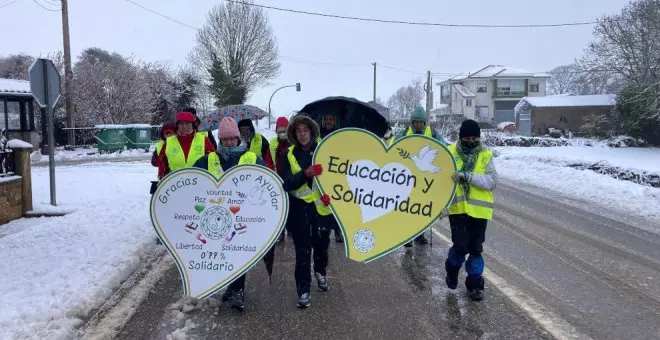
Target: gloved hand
325,199
314,170
459,177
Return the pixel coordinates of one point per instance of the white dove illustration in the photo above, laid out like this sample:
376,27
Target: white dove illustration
256,196
424,161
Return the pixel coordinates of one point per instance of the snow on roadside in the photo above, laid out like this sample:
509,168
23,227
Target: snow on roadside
646,159
58,269
88,154
623,196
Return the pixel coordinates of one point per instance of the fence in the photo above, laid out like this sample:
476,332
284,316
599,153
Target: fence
85,136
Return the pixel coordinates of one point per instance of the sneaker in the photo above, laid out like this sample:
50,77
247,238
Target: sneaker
476,294
238,301
303,300
408,245
322,282
282,237
421,239
339,238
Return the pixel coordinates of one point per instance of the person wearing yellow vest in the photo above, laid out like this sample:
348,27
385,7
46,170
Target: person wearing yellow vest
256,142
231,151
419,126
309,212
471,208
166,131
187,146
279,146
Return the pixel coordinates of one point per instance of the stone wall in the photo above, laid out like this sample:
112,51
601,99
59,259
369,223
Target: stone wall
11,205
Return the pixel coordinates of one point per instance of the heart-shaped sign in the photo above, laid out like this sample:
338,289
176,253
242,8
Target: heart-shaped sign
217,229
383,196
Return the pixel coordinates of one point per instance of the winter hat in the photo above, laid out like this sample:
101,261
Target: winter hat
418,114
185,117
469,128
228,128
281,122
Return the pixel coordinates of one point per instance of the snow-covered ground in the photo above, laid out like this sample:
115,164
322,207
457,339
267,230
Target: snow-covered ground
56,270
548,167
82,154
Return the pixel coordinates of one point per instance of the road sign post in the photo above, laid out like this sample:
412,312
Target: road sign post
45,84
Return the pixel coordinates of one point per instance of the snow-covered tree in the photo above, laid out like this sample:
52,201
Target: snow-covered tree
404,101
628,45
16,66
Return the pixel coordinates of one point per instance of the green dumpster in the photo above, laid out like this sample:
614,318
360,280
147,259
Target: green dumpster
109,138
138,136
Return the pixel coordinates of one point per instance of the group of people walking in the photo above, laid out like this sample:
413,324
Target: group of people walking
310,220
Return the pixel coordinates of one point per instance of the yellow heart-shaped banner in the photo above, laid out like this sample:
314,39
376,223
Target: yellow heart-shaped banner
383,196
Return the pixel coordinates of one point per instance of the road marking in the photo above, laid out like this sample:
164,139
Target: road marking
117,317
551,323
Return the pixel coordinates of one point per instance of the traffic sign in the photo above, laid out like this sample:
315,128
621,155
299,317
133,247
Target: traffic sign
45,82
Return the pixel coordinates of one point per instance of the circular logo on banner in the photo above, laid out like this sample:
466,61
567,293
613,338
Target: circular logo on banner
216,222
364,240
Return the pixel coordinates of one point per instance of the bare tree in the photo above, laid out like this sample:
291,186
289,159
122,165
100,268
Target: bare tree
579,79
563,79
16,66
238,41
406,99
628,44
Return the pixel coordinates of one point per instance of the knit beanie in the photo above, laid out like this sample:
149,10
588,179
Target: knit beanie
281,122
469,128
228,129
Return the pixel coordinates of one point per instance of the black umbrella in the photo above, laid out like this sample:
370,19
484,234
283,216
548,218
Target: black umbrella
269,258
350,112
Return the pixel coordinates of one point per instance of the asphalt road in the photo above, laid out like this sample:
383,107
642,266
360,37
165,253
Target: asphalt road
580,271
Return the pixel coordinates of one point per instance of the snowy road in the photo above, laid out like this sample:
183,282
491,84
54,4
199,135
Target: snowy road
555,269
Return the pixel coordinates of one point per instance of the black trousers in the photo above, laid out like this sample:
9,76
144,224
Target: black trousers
311,237
468,235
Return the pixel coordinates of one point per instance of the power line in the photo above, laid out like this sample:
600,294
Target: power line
161,14
44,7
416,23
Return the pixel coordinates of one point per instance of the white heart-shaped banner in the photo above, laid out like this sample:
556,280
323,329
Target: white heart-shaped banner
217,229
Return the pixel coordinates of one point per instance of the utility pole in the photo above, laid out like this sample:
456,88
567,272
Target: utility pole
374,63
68,73
429,94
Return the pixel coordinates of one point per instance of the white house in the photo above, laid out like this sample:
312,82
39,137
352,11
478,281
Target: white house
489,94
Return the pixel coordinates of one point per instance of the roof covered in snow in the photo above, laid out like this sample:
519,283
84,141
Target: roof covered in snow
15,86
499,71
464,91
571,101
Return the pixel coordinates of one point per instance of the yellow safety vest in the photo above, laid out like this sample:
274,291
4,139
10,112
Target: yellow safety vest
159,146
255,144
274,143
427,131
174,153
202,133
215,167
481,201
304,192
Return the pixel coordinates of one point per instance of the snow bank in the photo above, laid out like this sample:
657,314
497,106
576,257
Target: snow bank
503,139
90,154
547,168
18,144
58,269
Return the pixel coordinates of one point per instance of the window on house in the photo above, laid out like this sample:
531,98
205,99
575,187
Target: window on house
533,87
510,88
14,115
482,87
3,117
468,102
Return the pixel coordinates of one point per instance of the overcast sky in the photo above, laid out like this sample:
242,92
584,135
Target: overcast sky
328,56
